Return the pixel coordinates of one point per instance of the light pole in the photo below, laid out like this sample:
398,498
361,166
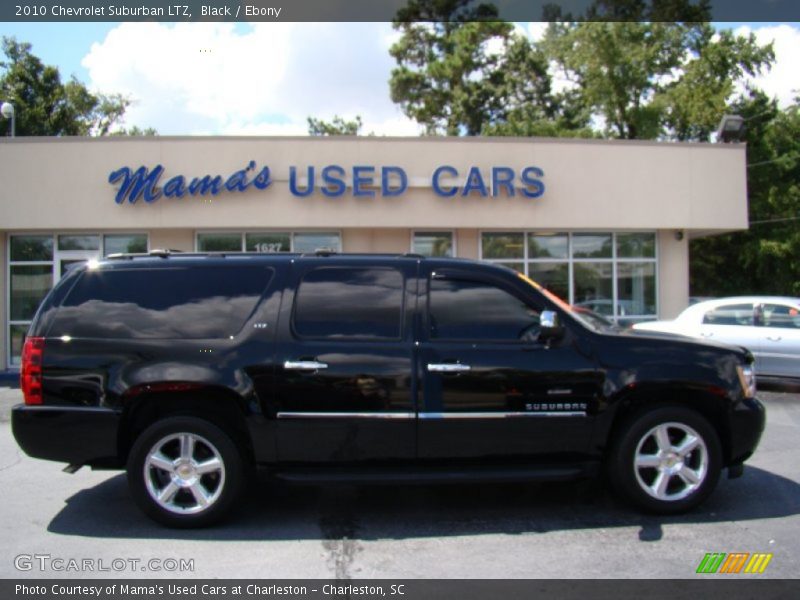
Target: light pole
7,110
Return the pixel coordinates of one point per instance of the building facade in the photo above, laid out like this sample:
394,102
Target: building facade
604,224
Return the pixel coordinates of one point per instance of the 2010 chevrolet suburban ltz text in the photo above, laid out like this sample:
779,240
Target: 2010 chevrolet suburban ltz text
191,370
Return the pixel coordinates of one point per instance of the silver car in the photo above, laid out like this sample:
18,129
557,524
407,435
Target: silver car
768,326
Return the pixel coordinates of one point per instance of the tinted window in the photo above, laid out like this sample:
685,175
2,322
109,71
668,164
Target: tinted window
175,302
334,302
472,310
730,314
781,315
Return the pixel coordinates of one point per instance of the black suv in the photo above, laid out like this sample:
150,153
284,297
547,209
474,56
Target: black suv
191,370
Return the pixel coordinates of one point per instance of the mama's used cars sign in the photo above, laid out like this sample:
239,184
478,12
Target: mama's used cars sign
332,181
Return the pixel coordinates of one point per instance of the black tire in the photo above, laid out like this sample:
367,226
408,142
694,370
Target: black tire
195,466
650,465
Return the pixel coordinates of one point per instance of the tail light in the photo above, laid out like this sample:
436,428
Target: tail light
30,375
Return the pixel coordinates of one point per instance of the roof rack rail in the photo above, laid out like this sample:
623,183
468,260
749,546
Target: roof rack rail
412,255
321,252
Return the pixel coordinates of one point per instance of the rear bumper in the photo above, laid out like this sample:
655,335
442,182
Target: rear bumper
75,435
747,424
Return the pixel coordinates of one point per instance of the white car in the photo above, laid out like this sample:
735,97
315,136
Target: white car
768,326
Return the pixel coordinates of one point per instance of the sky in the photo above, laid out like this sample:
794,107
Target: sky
268,78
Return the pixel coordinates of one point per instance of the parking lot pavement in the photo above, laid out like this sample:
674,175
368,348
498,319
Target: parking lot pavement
561,530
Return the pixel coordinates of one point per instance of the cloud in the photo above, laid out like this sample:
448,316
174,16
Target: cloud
781,81
259,79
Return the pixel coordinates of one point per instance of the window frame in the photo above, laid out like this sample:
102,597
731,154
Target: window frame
461,275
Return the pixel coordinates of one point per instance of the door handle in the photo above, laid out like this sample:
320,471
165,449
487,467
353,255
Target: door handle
304,365
706,334
448,368
776,338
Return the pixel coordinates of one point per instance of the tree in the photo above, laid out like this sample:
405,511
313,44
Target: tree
448,61
337,126
46,106
765,259
649,80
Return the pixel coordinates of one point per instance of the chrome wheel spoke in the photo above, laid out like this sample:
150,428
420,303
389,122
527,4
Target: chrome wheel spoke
200,494
688,444
647,461
167,495
159,461
662,438
187,446
660,484
689,476
212,465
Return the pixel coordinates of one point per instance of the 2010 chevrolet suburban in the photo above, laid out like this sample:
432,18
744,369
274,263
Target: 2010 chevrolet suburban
191,370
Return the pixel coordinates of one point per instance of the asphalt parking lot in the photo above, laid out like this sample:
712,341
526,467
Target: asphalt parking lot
573,530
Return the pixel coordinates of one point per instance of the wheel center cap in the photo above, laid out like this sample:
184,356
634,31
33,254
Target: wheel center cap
185,471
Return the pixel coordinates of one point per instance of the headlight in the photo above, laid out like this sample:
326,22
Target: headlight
747,377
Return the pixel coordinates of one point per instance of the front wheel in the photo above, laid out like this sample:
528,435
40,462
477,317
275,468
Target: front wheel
185,472
667,460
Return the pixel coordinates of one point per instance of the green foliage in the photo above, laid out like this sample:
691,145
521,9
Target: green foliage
766,258
337,126
449,68
654,80
44,105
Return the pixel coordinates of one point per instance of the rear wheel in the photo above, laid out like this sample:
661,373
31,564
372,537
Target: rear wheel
185,472
667,460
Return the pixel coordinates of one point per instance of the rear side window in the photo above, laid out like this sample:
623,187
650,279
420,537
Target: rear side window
164,303
345,302
730,314
472,310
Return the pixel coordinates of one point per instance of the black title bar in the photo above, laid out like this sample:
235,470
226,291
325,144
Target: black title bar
389,10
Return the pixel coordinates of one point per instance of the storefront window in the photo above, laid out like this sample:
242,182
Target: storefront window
613,274
79,242
268,242
636,245
433,243
29,285
124,244
594,287
311,242
591,245
219,242
552,276
503,245
636,289
548,245
28,248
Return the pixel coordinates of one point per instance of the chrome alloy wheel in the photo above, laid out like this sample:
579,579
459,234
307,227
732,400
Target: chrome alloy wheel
184,473
671,461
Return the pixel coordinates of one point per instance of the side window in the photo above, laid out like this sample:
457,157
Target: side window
461,309
730,314
780,315
345,302
164,303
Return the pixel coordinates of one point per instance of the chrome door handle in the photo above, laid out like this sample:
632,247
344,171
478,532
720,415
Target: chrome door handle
448,368
304,365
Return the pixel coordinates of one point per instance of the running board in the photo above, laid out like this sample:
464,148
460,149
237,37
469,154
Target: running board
433,475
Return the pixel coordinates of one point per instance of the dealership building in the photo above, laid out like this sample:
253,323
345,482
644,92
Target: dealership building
604,224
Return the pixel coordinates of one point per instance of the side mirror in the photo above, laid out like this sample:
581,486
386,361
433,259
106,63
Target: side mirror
550,326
